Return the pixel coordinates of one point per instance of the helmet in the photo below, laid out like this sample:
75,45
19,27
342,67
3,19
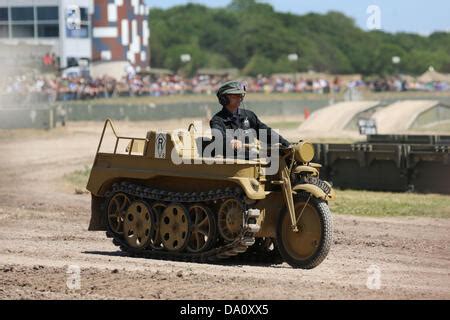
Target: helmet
230,87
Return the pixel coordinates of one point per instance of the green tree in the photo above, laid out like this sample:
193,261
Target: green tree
258,65
253,37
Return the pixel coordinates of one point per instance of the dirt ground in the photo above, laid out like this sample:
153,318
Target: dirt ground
43,234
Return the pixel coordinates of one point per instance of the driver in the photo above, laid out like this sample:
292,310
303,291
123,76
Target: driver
231,95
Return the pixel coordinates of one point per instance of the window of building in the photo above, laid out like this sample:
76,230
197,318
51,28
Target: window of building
4,31
48,30
72,62
84,15
22,22
47,13
22,14
4,28
47,22
4,14
22,30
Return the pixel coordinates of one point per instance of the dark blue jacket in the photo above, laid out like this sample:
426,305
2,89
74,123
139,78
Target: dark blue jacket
244,119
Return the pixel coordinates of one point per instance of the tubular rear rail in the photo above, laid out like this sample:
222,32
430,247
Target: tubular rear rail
118,138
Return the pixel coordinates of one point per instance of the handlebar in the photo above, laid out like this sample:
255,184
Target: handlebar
274,146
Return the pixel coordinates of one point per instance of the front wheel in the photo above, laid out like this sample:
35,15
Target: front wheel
307,248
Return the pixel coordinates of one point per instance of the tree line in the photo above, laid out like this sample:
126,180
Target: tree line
256,39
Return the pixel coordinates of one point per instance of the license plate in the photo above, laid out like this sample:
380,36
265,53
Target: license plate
319,183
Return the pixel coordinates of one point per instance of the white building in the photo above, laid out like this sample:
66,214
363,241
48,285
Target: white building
104,26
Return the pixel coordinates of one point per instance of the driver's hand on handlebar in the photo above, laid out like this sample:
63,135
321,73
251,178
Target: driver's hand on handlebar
276,145
282,146
236,144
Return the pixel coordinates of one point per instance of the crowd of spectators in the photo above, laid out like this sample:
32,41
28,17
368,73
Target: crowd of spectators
76,87
399,84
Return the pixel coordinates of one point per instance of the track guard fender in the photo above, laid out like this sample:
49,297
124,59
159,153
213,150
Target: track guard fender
315,191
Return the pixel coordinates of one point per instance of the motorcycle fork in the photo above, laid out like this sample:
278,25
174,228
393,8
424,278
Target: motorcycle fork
288,194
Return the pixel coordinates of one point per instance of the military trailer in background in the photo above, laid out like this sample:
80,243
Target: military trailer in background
419,163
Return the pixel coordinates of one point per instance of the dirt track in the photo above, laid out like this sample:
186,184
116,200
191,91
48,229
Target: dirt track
43,230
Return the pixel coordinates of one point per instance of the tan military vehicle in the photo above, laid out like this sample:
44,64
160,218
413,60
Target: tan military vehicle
202,212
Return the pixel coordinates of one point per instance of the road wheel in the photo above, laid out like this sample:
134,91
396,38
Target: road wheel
158,208
204,229
175,228
116,211
307,248
230,219
138,225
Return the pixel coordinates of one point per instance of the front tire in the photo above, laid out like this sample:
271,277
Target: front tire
307,248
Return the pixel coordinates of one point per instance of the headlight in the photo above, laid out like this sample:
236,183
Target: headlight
304,152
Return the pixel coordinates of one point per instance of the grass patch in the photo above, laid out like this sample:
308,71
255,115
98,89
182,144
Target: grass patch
381,204
79,178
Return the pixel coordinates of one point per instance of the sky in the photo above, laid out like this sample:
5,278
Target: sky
416,16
